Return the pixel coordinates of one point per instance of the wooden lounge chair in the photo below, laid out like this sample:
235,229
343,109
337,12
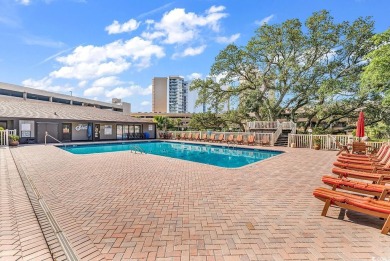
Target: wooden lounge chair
204,137
212,138
251,140
373,207
230,139
384,164
189,137
239,139
359,147
341,148
378,177
220,138
374,154
265,141
383,157
183,136
196,137
377,190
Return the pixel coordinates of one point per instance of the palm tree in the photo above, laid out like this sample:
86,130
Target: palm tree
178,123
162,122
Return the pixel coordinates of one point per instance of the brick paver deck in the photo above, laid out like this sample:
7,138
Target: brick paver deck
21,237
126,206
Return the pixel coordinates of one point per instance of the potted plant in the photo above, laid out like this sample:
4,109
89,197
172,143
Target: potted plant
13,140
317,143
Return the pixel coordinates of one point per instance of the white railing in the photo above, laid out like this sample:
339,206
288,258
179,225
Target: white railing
289,125
277,133
327,142
4,136
262,125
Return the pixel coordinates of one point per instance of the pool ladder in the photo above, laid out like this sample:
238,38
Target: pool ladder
138,149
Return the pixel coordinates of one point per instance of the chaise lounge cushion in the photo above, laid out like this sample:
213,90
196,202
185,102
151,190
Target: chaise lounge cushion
332,181
354,200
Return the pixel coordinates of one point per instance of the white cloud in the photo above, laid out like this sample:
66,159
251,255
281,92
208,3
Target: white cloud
155,10
215,9
46,84
107,81
190,51
117,28
89,62
93,91
265,20
84,71
193,76
122,92
23,2
145,103
227,40
179,27
82,84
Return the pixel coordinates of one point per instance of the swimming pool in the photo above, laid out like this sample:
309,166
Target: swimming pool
222,156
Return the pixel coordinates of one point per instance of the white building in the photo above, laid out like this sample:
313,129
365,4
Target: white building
170,94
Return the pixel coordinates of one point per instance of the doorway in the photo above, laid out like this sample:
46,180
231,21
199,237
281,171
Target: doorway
66,131
51,128
96,133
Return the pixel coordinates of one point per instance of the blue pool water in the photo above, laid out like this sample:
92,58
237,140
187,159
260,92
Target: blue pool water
221,156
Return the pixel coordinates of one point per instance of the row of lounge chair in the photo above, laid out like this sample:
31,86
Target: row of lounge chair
221,138
367,176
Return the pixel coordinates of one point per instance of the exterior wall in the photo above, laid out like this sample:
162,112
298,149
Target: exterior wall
159,94
79,131
152,133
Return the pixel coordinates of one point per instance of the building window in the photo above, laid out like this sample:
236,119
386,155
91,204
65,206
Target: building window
150,127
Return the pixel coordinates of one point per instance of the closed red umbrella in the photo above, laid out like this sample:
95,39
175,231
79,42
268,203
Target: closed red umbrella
360,126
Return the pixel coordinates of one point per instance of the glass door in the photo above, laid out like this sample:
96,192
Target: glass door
126,132
131,132
66,131
119,131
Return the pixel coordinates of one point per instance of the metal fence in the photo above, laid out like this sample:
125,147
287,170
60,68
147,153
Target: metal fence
4,136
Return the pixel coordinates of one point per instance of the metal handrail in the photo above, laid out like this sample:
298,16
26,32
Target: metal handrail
139,149
47,134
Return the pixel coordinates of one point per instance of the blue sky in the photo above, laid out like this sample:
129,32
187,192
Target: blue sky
113,48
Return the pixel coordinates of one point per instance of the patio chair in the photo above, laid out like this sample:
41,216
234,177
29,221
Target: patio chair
265,141
377,190
239,139
230,139
341,148
366,205
251,140
204,137
384,164
374,153
359,147
196,137
183,136
377,177
189,137
375,157
220,138
384,157
211,138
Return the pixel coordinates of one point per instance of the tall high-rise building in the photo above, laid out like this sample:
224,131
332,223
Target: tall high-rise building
169,94
159,94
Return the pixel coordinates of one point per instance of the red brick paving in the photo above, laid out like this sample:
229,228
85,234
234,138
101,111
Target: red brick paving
21,237
124,206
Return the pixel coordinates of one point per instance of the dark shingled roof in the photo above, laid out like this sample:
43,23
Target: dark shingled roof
11,107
